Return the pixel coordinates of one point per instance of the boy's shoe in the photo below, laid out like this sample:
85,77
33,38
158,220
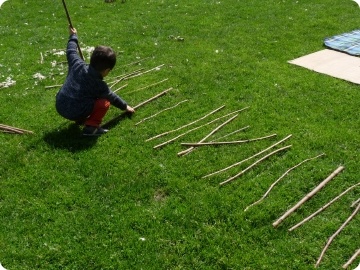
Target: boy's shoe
94,131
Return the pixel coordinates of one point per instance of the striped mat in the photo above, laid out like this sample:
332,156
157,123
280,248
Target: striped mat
347,42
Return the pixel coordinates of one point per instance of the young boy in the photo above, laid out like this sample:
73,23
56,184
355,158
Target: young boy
85,97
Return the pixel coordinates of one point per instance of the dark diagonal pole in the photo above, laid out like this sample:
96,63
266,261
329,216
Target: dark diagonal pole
69,20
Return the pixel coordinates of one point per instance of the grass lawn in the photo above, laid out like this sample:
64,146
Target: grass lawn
68,202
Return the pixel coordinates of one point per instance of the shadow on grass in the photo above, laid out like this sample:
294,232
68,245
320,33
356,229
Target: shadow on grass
113,122
69,138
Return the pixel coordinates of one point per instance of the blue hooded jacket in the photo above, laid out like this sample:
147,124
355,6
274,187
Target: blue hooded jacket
83,85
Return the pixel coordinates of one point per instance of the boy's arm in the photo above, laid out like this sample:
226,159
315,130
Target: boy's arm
118,102
71,50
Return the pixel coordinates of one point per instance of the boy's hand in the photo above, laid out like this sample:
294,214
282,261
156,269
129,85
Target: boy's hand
130,109
72,31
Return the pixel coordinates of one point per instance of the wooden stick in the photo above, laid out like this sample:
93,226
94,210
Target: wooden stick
231,142
15,129
186,132
336,233
352,259
151,116
136,62
308,196
147,71
53,86
323,207
355,203
117,118
252,165
70,23
7,131
170,131
123,77
121,87
278,180
257,154
207,136
189,124
147,86
153,98
231,133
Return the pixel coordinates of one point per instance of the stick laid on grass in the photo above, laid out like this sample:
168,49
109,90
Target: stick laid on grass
207,136
352,259
242,161
336,233
117,118
278,180
14,129
142,88
231,133
136,62
153,98
231,142
308,196
254,164
323,207
184,126
151,116
355,203
145,72
188,131
123,77
121,87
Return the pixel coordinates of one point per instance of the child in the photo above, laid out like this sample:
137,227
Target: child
85,97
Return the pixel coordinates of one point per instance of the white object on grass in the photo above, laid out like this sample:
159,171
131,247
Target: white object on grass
1,267
1,2
357,268
358,2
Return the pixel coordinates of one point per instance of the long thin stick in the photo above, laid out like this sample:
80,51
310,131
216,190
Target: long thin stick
352,259
71,25
231,133
308,196
231,142
122,77
184,126
14,129
252,165
323,207
142,88
355,203
151,99
188,131
53,86
136,107
278,180
242,161
336,233
207,136
147,71
136,62
169,108
121,87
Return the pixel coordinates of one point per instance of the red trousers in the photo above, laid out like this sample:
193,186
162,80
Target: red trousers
100,109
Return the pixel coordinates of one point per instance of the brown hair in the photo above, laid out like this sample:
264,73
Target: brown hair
102,58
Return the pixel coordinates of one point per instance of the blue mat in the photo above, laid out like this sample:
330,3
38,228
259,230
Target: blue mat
347,42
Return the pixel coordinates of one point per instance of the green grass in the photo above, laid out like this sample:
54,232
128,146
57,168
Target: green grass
116,203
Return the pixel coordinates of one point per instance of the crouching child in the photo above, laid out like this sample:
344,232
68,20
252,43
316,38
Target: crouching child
84,97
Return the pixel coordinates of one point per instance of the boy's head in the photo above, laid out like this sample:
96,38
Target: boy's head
103,58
